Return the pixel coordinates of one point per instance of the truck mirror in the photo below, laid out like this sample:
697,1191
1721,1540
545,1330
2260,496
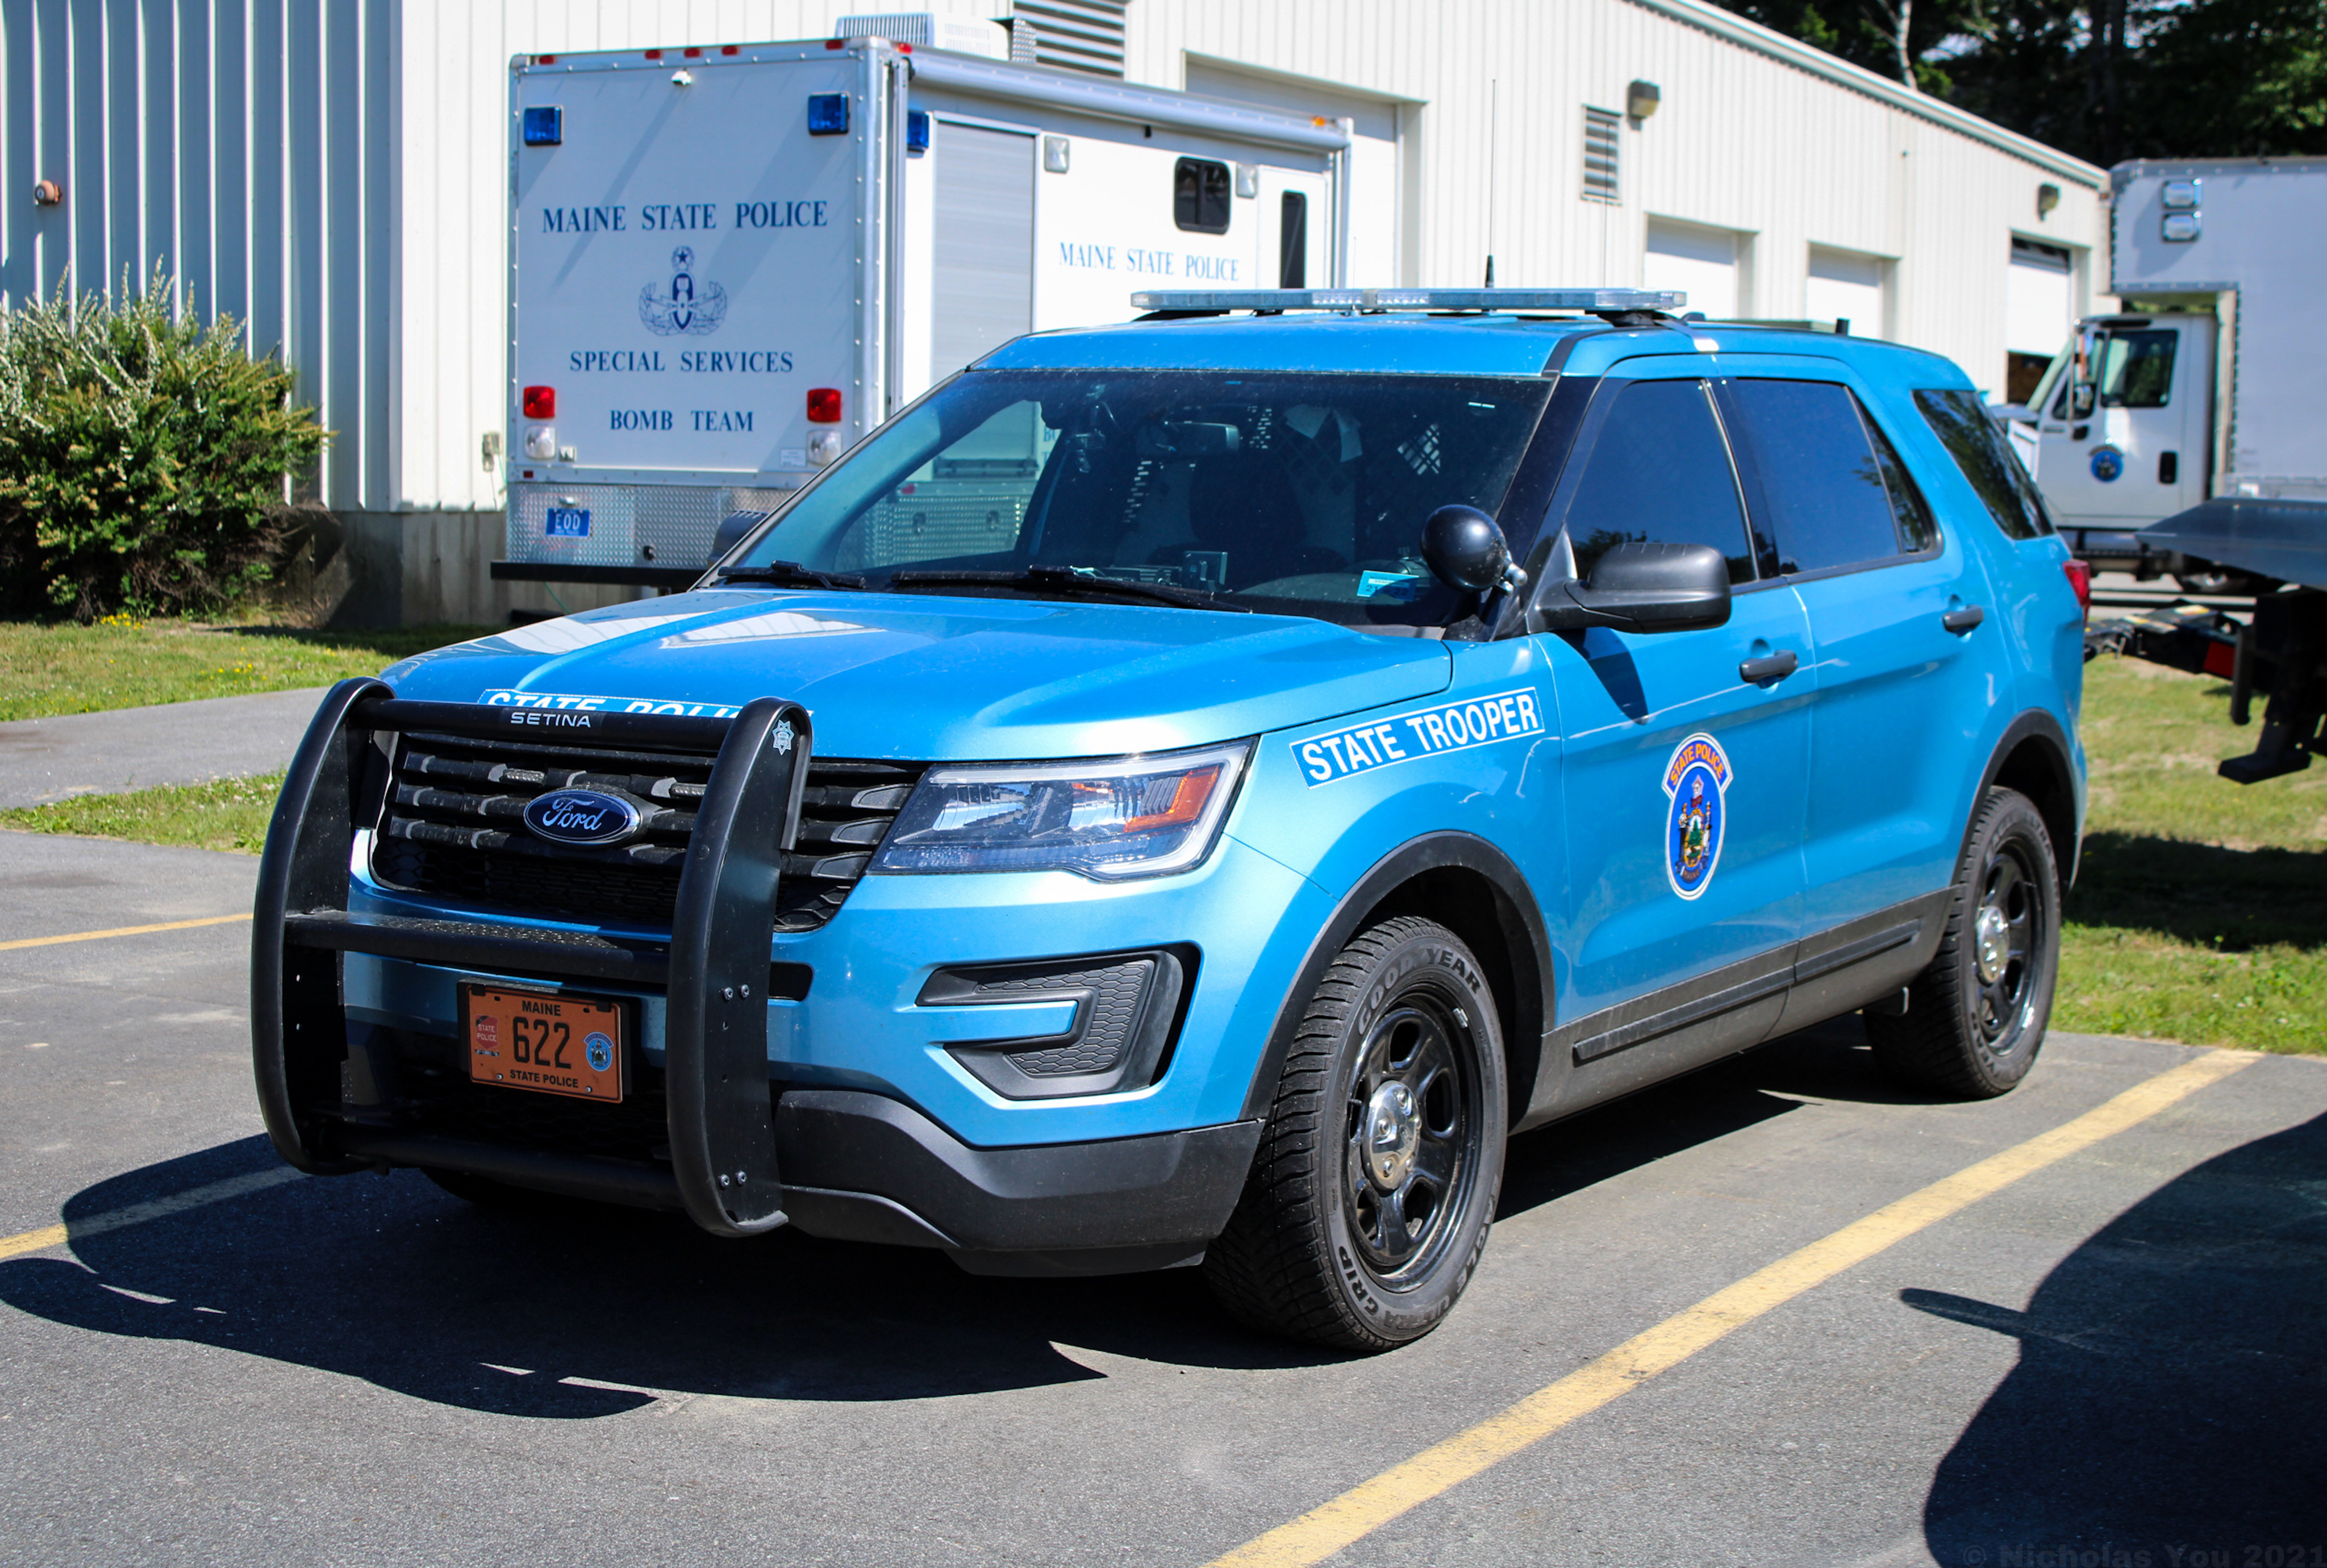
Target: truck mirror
2081,398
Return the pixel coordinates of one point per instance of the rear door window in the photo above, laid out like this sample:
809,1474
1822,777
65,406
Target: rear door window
1659,469
1956,417
1836,492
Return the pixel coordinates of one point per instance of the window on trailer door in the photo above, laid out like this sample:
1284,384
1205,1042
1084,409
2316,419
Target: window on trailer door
1293,241
1201,200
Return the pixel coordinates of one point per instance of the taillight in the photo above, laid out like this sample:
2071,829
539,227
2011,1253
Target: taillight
540,403
2081,578
824,406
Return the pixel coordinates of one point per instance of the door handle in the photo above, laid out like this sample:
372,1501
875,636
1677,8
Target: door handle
1772,667
1964,620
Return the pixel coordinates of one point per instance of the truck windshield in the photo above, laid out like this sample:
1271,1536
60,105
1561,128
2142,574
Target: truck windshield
1296,494
2131,369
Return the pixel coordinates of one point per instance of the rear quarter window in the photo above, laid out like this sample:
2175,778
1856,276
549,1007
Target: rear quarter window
1958,418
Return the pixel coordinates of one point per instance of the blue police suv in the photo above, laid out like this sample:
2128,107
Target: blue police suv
1187,792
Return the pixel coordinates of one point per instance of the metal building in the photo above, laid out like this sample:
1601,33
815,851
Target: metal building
333,173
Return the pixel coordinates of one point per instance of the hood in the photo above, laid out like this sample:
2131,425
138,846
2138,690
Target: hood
947,679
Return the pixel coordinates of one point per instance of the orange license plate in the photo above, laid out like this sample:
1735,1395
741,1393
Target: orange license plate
557,1044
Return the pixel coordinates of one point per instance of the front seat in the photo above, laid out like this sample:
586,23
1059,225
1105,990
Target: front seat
1243,503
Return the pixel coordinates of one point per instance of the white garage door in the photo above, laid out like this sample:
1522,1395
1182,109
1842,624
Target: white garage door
1846,286
1701,262
2038,305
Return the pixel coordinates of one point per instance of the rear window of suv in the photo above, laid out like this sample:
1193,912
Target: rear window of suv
1958,418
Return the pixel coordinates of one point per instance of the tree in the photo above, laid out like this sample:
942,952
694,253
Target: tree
2106,79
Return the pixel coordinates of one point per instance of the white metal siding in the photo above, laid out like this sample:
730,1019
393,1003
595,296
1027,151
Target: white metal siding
334,172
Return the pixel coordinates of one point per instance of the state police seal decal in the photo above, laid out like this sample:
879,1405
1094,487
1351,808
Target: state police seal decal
1697,817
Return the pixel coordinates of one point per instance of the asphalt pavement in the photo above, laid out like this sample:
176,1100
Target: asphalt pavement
2116,1352
46,760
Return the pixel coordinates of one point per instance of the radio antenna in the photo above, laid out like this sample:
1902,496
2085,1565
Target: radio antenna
1492,85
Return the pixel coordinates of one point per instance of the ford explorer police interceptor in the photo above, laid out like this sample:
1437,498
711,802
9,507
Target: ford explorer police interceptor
1188,791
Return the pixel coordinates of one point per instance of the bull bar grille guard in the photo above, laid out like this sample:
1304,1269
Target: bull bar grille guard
716,1031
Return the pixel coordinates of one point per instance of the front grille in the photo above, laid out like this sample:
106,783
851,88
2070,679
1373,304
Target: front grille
453,829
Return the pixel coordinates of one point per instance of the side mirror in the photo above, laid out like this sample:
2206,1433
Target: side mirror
2080,399
1467,551
1642,586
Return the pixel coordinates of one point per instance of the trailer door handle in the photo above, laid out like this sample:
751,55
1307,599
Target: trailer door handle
1772,667
1964,620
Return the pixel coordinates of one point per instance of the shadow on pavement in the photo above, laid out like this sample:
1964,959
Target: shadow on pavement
1828,1062
2171,1374
392,1281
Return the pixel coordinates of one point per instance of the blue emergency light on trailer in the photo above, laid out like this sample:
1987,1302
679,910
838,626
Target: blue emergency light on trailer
828,113
917,132
544,125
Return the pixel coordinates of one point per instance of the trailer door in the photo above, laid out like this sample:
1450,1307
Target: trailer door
982,272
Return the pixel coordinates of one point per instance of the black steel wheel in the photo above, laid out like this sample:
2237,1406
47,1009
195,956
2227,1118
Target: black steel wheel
1976,1018
1368,1202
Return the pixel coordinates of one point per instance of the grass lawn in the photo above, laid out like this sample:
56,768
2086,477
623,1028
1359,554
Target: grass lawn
2200,913
229,814
45,670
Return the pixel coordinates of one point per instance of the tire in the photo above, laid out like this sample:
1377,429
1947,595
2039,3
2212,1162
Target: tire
1392,1099
1976,1018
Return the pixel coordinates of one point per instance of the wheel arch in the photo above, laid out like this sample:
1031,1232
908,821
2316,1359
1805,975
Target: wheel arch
1474,890
2033,757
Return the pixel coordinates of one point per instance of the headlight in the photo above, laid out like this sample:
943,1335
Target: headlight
1129,816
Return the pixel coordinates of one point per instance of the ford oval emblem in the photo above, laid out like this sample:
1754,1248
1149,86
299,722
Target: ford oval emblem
591,816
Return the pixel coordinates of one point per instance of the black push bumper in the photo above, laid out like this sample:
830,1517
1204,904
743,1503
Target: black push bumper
743,1157
722,1138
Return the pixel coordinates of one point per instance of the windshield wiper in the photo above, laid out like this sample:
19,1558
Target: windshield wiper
790,574
1074,579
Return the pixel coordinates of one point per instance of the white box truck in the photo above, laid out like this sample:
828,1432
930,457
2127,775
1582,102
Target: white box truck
728,263
2203,401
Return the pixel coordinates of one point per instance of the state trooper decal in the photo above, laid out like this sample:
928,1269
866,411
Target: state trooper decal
694,308
1697,782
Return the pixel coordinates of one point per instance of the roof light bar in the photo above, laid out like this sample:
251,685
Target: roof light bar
1412,299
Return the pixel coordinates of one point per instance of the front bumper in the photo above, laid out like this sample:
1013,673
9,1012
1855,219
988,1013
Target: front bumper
874,1130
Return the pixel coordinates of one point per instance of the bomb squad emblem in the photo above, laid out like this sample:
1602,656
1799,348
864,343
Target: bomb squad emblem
684,305
1697,785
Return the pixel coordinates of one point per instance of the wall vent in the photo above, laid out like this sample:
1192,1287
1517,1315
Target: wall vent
1601,129
1084,35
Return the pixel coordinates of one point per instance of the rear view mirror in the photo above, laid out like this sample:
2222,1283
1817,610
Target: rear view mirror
2080,399
1642,586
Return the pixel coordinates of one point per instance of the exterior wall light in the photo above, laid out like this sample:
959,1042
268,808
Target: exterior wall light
2047,198
1642,99
47,194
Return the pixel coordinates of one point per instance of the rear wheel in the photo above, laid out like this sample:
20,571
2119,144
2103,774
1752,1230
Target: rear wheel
1370,1199
1976,1019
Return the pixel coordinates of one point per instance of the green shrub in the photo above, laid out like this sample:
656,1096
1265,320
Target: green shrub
143,457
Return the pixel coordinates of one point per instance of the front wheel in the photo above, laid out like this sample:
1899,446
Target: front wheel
1976,1019
1368,1202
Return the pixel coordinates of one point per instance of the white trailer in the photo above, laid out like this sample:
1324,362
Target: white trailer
729,263
2204,399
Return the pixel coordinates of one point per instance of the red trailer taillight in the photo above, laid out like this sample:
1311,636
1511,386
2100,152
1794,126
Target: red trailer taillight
824,406
540,403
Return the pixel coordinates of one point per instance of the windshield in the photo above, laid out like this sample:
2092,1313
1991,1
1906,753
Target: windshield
1298,494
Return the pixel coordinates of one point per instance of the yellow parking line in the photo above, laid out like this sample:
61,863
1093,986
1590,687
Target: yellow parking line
1325,1530
51,1235
121,931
